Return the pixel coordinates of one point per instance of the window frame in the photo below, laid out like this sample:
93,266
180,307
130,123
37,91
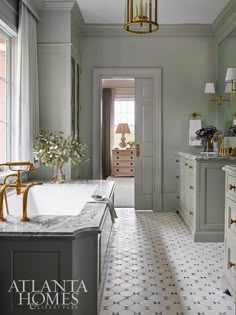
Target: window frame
8,80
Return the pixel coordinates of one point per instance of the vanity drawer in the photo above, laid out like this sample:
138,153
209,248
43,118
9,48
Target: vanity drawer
231,256
231,185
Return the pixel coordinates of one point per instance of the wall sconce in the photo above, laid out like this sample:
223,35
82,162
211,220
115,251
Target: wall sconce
230,78
210,89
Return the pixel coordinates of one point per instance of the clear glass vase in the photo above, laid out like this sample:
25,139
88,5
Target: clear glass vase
207,145
59,177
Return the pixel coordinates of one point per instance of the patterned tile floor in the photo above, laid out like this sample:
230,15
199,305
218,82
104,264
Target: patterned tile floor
156,269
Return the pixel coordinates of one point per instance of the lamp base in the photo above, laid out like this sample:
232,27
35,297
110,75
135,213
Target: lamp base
122,143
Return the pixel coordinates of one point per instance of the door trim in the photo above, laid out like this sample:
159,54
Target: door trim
156,75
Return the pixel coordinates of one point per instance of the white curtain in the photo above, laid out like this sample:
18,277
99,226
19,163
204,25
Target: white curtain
26,113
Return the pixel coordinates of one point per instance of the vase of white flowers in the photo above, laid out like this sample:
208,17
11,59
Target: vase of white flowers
206,134
53,149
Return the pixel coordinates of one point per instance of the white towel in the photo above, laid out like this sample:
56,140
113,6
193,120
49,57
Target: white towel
194,125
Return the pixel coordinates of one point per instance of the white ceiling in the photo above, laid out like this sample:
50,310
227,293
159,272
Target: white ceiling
170,11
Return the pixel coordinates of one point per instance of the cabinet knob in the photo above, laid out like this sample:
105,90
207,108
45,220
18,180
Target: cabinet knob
190,167
117,157
231,187
177,161
117,163
177,176
232,221
131,164
231,264
186,164
191,213
177,197
190,187
117,170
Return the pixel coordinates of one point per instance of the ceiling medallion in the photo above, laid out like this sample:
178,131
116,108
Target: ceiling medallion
141,16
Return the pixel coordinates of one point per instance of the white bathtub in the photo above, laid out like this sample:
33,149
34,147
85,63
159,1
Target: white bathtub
53,199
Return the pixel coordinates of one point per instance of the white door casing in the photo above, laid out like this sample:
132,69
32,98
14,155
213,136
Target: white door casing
156,75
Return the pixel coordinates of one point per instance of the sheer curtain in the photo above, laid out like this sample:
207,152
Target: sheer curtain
107,123
26,113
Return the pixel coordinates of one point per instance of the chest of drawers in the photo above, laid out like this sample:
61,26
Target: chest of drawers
123,162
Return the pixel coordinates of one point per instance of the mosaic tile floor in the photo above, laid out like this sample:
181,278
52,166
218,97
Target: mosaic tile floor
156,269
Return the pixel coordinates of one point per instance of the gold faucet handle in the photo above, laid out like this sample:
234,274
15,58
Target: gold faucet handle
37,183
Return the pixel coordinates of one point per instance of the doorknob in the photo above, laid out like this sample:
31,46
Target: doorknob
137,150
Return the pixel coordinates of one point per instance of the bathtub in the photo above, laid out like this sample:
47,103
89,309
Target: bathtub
67,238
53,199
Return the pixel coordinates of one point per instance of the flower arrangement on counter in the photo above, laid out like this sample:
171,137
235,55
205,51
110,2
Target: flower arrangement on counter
207,133
232,131
52,148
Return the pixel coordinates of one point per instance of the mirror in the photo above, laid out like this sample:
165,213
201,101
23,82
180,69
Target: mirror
226,59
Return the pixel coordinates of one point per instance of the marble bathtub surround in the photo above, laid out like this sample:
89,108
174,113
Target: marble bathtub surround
48,226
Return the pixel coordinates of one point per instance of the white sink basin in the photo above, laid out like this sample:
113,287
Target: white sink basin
53,199
209,153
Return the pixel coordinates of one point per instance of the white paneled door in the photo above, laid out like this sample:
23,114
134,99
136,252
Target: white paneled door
144,165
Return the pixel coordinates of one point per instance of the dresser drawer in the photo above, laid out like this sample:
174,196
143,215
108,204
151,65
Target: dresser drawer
123,152
122,163
231,256
230,217
231,185
123,157
123,171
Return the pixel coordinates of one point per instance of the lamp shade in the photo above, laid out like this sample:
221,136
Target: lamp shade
230,75
123,128
210,88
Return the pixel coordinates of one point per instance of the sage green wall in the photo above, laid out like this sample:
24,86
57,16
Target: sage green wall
187,63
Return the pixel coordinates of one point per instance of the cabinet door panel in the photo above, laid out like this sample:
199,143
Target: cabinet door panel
212,182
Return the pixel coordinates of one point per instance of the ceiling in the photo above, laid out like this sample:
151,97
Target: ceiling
170,11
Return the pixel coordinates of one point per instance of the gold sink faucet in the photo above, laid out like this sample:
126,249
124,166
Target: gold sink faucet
20,187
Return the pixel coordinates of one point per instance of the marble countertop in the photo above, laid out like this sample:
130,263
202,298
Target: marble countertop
230,169
206,156
89,219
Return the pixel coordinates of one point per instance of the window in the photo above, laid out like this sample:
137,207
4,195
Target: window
124,113
4,97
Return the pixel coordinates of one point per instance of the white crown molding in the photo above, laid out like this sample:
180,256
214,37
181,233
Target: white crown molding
34,7
59,5
225,22
111,30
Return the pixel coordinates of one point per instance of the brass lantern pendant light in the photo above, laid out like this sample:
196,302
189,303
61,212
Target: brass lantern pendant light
141,16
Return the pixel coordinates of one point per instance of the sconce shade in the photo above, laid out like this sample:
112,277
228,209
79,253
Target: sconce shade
228,88
123,128
230,75
210,88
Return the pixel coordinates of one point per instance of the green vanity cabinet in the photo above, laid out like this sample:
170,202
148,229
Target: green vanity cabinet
201,194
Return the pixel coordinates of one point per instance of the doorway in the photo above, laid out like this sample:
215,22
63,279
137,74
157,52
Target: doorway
149,188
118,137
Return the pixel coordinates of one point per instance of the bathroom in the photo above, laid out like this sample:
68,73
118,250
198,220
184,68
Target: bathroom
193,46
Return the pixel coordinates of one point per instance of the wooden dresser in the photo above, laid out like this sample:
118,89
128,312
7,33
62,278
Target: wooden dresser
123,162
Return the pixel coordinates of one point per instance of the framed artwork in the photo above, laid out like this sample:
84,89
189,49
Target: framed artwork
73,101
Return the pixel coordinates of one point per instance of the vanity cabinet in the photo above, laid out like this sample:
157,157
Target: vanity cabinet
229,277
200,194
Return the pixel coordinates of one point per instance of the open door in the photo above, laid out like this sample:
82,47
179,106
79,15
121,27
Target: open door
144,139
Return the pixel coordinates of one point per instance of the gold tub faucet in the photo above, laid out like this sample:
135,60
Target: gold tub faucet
20,187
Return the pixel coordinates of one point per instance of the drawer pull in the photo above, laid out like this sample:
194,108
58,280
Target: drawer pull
186,164
177,176
131,164
231,187
131,170
232,221
177,161
191,213
132,157
177,197
231,264
117,170
131,152
190,187
190,167
117,157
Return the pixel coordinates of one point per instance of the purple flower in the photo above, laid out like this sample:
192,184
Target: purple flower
208,132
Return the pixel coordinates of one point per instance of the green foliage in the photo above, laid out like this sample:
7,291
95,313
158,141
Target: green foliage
52,148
